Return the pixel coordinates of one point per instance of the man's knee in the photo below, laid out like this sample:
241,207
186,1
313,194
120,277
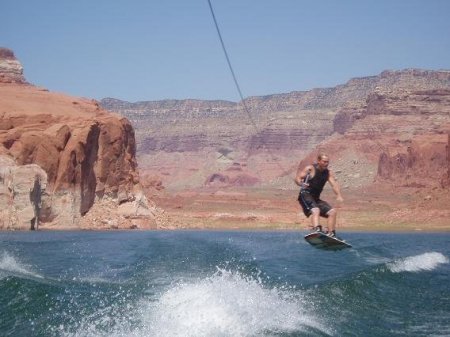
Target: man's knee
332,212
315,211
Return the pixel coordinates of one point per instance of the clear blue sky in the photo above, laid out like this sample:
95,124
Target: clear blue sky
150,50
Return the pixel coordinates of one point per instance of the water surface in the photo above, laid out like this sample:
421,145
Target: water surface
210,283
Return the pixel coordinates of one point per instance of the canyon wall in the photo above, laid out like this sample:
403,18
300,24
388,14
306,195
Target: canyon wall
65,162
365,124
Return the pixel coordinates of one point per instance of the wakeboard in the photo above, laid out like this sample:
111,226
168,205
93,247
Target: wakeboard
323,241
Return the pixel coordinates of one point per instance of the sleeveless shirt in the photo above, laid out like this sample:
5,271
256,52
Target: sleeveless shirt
317,183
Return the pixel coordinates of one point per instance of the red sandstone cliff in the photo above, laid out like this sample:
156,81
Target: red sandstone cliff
409,134
360,121
64,161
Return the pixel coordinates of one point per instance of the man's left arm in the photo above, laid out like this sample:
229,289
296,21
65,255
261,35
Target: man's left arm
335,186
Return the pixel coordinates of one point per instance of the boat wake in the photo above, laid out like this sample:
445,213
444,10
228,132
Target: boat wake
230,304
226,303
423,262
10,265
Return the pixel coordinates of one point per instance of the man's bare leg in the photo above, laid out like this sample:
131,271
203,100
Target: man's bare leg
315,214
332,214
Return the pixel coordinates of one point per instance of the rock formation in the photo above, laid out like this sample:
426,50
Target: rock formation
11,71
401,135
371,121
22,194
64,159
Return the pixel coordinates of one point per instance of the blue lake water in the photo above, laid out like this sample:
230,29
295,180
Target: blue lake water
211,283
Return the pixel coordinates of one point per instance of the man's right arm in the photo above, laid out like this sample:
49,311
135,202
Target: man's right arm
302,173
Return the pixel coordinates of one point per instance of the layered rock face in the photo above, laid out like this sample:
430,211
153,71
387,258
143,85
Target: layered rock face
419,121
357,121
11,71
399,136
63,159
425,163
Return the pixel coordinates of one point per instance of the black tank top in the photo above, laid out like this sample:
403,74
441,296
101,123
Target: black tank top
317,183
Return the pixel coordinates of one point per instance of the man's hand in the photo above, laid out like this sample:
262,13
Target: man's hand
339,198
302,174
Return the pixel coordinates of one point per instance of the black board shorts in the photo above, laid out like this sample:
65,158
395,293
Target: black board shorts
308,202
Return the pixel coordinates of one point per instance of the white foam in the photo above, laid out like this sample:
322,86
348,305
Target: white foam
9,265
228,304
422,262
377,260
93,279
224,304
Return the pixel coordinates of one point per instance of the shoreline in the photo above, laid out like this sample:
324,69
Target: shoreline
235,229
253,210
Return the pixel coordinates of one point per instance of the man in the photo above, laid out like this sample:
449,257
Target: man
311,180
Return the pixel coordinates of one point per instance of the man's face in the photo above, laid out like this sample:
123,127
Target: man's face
323,163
